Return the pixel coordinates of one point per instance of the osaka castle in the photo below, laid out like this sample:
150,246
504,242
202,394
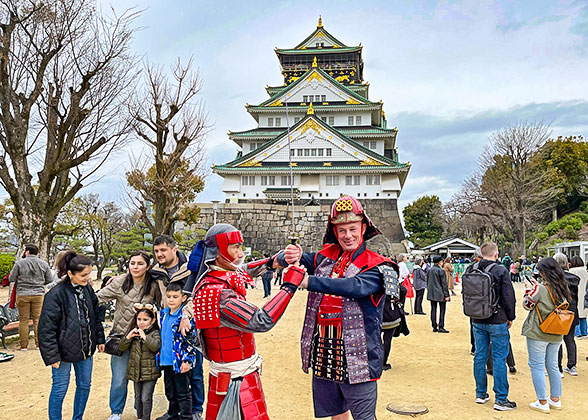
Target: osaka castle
322,123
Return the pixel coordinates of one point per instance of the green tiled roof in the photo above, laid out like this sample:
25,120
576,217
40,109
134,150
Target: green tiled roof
400,167
326,76
272,90
351,107
271,133
349,140
318,51
325,32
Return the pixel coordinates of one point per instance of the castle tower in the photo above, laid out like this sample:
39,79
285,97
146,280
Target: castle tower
339,142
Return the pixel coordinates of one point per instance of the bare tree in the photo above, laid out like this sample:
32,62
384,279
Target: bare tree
171,121
510,190
64,73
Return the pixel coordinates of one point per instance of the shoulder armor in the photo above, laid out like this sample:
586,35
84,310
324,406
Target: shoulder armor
207,306
390,280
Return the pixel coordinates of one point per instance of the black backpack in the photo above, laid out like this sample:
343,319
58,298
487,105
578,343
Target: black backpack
479,297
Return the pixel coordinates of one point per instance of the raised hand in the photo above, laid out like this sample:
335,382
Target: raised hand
293,253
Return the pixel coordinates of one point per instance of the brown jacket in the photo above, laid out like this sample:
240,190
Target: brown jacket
124,311
142,366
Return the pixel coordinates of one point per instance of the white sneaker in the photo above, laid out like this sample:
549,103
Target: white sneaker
561,374
544,408
572,371
115,417
553,404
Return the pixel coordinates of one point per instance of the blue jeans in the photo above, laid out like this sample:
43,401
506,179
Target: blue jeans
60,384
581,328
197,385
543,355
499,337
119,382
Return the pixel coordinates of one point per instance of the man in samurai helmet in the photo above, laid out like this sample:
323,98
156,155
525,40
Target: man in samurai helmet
341,341
226,322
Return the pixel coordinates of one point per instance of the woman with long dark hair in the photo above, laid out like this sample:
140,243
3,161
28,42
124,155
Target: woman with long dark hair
543,298
70,330
135,287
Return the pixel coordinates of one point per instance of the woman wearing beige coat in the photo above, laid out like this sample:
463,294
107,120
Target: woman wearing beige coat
578,268
448,267
135,287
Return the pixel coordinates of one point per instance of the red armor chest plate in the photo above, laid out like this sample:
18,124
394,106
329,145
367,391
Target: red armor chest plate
228,345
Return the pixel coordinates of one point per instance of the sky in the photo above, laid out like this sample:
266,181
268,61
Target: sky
449,73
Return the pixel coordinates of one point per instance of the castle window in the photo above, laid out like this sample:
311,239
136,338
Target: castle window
350,120
305,98
320,152
271,180
296,119
373,145
323,98
292,152
278,122
356,180
312,152
270,122
324,119
285,180
372,179
331,120
358,120
299,153
328,152
332,180
306,152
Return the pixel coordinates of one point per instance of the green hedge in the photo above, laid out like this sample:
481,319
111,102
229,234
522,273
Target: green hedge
571,224
6,263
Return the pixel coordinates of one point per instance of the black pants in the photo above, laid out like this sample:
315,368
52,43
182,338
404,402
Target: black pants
570,343
144,399
418,303
177,392
472,339
387,336
441,323
510,361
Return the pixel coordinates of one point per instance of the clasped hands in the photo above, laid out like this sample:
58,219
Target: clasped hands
292,255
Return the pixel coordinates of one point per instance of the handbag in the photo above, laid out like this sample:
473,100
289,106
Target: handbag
12,304
559,321
111,345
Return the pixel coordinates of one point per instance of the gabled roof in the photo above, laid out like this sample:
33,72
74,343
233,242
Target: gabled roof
321,32
449,241
254,159
315,73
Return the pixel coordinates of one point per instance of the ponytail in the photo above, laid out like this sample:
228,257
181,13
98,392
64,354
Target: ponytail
73,262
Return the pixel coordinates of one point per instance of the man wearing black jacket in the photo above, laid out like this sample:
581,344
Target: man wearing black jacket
494,331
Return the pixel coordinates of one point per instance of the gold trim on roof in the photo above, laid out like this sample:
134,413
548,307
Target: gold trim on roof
326,163
277,103
352,101
314,64
251,162
310,110
320,22
311,124
370,162
314,76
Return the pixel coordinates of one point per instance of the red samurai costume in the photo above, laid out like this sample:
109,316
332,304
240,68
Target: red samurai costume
226,322
341,338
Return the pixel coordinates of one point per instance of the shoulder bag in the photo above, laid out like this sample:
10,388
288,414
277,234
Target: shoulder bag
558,321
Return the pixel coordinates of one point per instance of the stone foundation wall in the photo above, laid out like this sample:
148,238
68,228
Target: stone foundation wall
267,227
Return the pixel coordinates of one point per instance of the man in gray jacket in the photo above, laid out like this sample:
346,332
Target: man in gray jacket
437,294
30,275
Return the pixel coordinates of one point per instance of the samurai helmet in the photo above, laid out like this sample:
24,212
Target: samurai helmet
220,236
347,209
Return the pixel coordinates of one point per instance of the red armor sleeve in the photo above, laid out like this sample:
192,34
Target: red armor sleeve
207,306
240,314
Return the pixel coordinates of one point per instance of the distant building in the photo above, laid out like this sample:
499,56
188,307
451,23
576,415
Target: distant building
339,139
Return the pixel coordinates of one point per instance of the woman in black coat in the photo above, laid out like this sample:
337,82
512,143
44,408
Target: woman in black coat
69,333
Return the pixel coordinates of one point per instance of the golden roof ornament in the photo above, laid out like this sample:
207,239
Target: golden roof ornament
310,110
320,22
314,63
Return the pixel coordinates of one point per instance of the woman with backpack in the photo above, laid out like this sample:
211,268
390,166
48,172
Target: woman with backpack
541,299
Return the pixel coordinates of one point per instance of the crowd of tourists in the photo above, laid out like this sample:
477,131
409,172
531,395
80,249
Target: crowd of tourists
170,312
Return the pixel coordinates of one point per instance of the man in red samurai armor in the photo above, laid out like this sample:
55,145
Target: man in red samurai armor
226,322
341,334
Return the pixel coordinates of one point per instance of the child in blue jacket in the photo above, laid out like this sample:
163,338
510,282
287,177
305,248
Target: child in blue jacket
177,354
